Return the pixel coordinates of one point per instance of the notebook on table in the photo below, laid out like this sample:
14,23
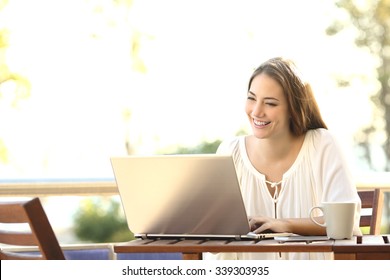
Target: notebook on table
183,196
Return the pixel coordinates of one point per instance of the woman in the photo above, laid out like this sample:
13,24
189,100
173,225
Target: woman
290,163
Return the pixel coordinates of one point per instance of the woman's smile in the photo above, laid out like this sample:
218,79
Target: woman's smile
260,124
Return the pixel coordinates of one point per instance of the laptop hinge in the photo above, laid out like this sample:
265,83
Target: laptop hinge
142,236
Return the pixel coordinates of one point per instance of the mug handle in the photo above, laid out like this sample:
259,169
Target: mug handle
312,218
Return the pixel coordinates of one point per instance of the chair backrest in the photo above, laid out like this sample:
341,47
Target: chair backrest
373,199
41,233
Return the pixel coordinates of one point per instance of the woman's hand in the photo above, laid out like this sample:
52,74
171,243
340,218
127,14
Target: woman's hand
261,224
301,226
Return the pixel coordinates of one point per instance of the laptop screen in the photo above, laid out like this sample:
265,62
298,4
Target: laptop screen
181,194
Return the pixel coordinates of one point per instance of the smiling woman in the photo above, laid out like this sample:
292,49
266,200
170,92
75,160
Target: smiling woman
290,163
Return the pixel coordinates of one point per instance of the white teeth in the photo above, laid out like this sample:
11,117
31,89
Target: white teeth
260,123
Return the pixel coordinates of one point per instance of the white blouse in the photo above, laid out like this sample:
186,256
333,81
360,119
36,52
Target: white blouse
319,174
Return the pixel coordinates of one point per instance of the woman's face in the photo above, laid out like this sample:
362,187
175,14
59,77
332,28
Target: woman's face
267,108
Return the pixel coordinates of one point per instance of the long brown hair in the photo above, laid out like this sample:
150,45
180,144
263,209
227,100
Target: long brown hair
303,107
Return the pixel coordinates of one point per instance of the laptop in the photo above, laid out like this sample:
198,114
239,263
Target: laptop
182,196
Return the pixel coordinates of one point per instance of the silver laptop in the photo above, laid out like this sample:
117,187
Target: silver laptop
182,196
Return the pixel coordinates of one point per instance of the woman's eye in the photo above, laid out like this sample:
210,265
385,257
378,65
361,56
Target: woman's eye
251,98
271,104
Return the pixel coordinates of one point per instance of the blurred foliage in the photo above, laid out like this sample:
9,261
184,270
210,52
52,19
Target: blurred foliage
205,147
115,13
371,21
3,152
11,82
242,131
15,84
3,3
202,148
101,220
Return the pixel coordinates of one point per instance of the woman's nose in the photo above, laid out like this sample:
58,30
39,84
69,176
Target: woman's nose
258,110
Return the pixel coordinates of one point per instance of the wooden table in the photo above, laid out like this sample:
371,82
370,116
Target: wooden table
366,247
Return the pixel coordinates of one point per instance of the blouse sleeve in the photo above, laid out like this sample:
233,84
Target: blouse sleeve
332,172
